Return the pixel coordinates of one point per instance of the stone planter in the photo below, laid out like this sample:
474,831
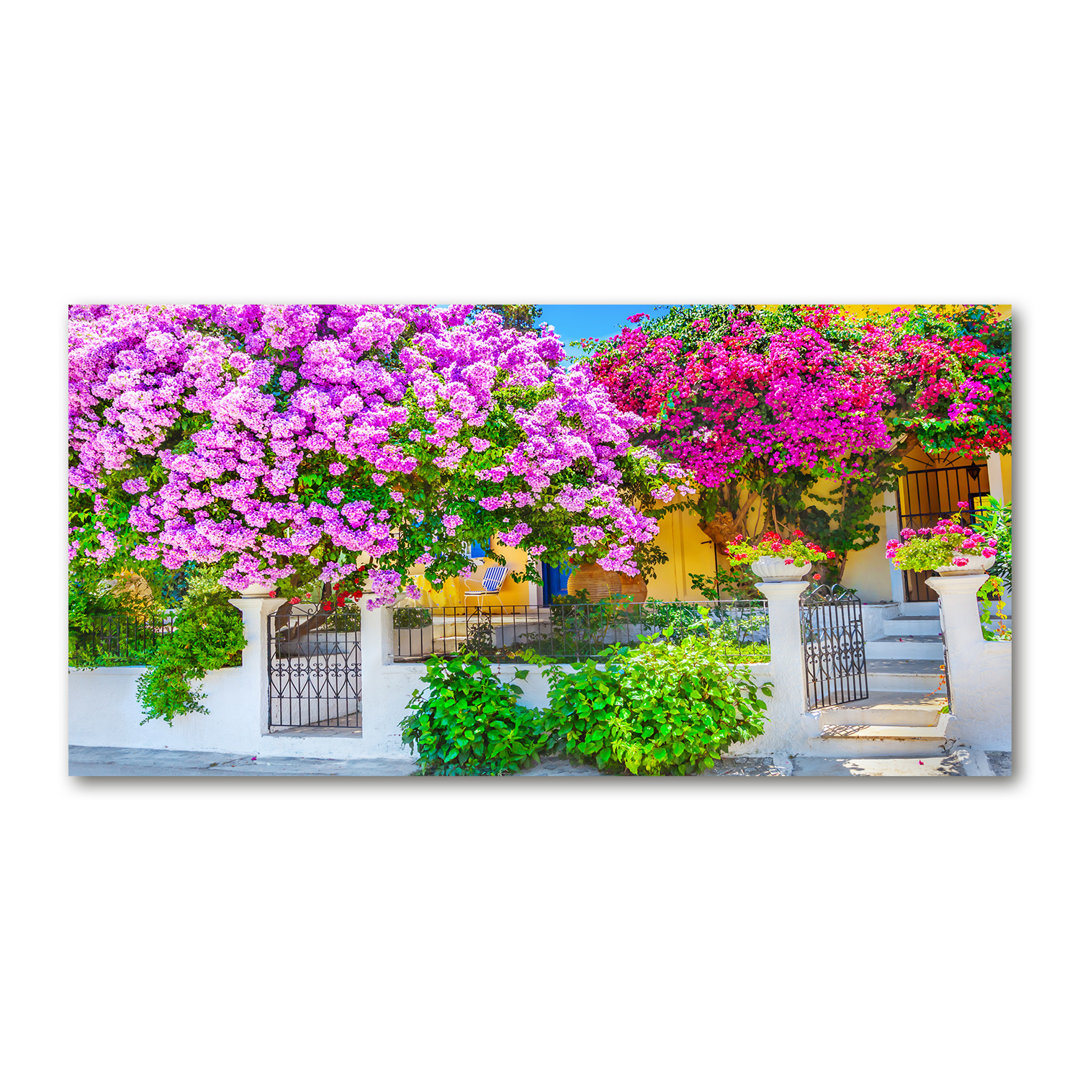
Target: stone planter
774,568
976,564
259,592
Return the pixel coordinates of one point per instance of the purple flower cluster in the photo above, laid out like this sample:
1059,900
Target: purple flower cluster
281,441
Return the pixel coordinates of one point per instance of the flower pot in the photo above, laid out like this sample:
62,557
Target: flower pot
601,583
256,591
976,564
774,568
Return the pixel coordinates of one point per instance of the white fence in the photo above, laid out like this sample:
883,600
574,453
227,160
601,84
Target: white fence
103,711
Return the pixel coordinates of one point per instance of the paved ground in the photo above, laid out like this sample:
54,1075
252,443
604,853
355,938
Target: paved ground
117,761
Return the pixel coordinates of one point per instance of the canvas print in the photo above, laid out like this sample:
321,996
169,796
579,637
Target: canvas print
726,540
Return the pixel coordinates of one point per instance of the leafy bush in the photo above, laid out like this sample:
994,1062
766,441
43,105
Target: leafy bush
207,635
995,521
467,722
411,618
664,707
736,627
113,619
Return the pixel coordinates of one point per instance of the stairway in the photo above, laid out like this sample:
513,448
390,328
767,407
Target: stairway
903,715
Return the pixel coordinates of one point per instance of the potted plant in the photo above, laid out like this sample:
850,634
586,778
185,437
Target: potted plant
414,634
775,559
948,548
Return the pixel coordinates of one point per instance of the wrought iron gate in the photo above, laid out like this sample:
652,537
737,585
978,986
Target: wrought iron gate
926,495
834,647
313,668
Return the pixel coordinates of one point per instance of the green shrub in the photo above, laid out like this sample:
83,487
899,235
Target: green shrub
411,618
467,722
207,635
664,707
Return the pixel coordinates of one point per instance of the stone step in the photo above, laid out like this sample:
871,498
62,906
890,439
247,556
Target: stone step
897,647
912,626
911,708
904,675
919,607
883,740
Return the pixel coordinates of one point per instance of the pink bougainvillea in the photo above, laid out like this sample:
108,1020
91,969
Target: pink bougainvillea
292,443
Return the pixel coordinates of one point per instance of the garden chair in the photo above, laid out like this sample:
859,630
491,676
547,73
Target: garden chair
491,585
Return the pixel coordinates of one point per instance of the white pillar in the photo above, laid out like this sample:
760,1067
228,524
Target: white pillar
892,532
997,482
385,687
980,672
255,610
786,730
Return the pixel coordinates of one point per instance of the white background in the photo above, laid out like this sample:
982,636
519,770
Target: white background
570,152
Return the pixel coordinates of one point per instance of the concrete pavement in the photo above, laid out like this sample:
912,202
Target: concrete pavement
124,761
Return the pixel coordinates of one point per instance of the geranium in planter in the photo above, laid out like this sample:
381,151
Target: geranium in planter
949,547
777,559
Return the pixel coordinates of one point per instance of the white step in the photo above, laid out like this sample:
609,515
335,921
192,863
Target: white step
919,607
905,648
889,707
907,676
912,626
883,740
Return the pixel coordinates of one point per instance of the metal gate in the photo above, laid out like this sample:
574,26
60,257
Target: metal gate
834,647
927,495
313,669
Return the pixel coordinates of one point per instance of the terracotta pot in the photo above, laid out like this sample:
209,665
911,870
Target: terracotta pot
601,583
976,564
773,568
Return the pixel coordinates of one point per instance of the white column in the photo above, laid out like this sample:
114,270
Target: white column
255,610
892,532
385,687
785,730
997,482
980,672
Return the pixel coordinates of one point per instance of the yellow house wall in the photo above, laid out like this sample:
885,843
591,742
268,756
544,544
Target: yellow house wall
689,551
867,571
1006,476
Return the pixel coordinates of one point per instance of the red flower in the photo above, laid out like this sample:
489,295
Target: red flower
327,607
830,554
817,577
273,593
294,599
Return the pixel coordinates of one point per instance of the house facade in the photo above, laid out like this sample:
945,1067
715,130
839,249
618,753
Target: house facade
928,491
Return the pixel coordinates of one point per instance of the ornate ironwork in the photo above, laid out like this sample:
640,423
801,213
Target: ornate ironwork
927,495
834,646
313,669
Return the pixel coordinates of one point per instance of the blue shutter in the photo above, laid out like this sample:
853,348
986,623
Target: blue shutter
555,579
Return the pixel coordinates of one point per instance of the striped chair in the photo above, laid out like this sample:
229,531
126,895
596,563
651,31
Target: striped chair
491,585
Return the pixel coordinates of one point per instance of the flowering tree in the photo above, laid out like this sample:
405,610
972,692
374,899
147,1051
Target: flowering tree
761,404
307,446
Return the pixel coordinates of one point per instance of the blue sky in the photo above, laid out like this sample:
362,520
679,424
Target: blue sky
575,321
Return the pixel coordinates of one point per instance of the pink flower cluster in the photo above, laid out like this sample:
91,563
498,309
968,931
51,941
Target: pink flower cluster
271,439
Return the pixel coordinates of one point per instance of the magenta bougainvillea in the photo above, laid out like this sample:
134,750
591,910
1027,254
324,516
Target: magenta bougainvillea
807,388
290,445
762,403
